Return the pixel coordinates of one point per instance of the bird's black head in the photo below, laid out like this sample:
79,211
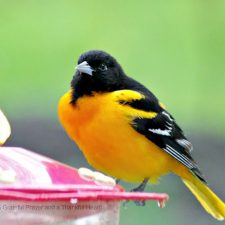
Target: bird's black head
97,71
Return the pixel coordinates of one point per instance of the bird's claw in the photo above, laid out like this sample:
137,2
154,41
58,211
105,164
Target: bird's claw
140,203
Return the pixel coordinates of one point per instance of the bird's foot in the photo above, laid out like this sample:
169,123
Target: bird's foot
139,188
140,203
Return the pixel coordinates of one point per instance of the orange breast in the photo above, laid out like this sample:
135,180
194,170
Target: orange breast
101,128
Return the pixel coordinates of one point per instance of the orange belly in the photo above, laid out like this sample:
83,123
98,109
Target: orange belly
101,128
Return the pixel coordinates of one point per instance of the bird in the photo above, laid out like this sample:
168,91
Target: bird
124,131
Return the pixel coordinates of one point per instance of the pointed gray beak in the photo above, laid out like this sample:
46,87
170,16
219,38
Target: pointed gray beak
84,68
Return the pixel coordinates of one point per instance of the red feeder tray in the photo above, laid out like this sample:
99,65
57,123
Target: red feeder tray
38,190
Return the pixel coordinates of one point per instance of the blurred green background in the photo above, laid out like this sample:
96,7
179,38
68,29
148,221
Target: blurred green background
176,48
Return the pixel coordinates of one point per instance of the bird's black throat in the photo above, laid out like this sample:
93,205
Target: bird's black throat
85,85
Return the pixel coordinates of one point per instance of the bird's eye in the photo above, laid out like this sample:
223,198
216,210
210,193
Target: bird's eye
102,67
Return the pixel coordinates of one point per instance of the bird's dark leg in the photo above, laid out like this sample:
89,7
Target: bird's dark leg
140,188
117,181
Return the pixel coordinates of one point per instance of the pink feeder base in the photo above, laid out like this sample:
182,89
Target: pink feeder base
37,190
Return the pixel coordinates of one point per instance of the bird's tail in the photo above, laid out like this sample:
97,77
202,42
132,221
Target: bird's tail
209,200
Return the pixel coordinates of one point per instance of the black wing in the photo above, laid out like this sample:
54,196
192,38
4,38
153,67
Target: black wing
164,132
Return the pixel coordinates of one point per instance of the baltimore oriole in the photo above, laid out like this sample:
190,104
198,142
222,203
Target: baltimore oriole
124,131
